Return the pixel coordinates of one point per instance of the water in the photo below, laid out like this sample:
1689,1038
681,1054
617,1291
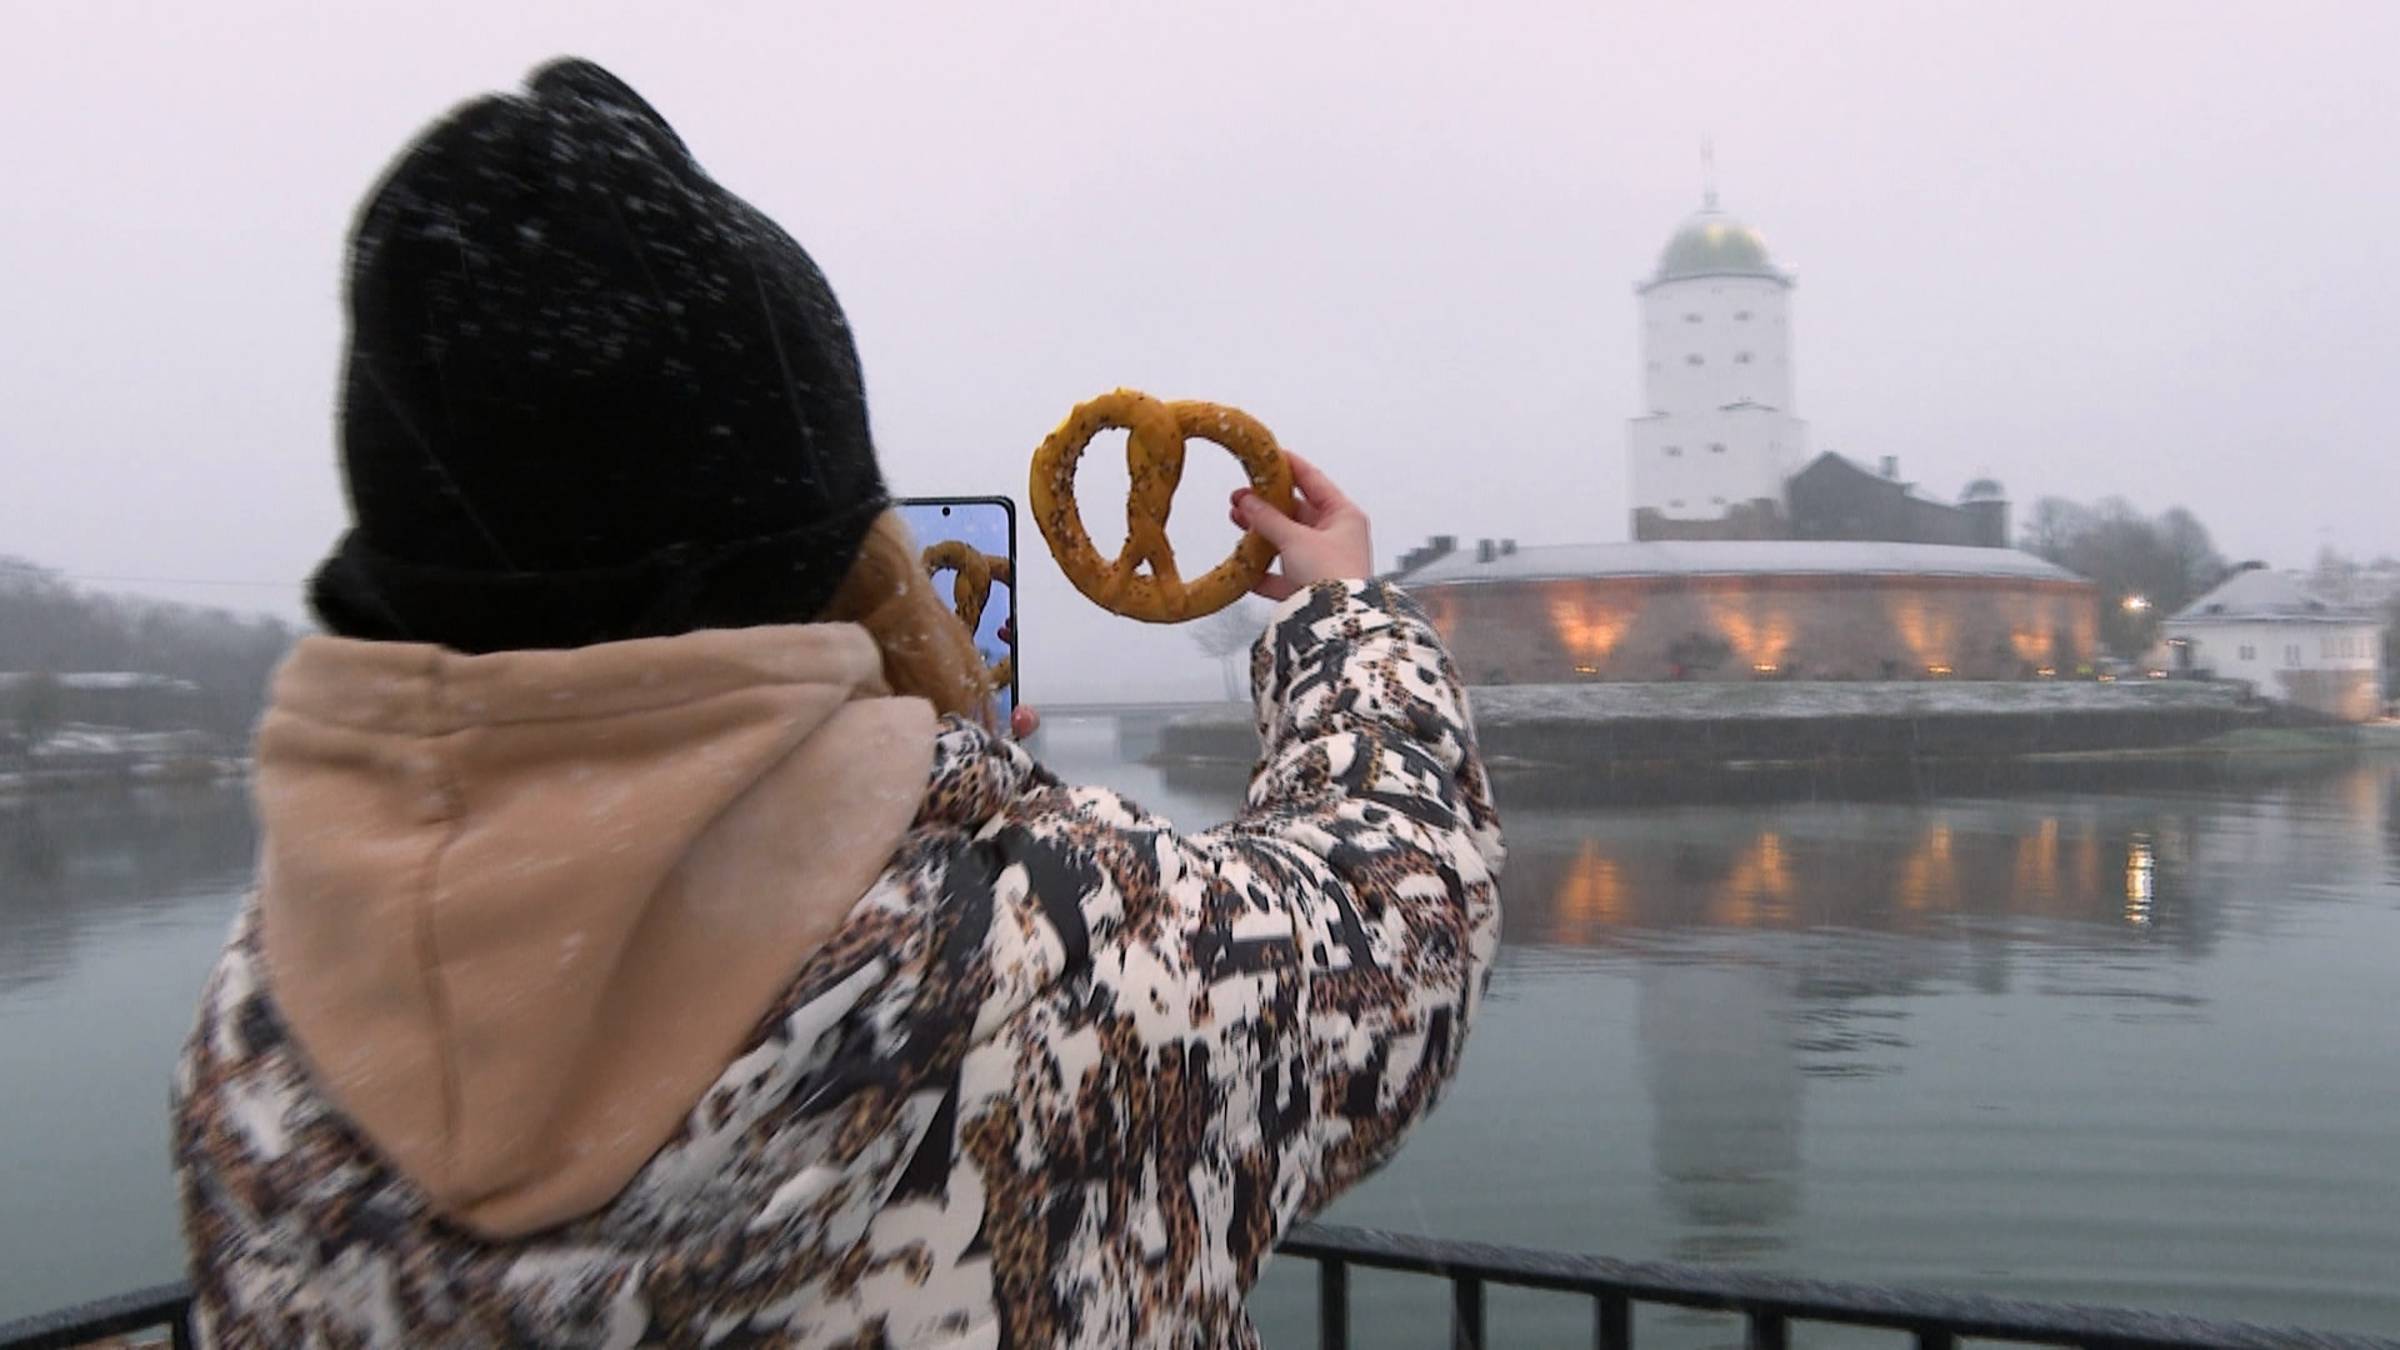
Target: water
2128,1047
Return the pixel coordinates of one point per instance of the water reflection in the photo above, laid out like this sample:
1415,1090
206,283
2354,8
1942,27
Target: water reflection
1951,1041
1725,1094
71,866
2101,867
2141,880
1772,947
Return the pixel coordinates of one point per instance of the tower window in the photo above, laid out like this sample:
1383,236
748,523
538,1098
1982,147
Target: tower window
1692,360
1716,447
1716,501
1691,318
1674,452
1741,358
1742,314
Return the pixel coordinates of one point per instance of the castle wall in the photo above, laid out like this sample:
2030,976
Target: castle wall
1770,626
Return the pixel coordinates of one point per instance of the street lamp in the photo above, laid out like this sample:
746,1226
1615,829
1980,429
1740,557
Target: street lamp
2135,604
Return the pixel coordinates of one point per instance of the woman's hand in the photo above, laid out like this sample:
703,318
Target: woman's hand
1325,538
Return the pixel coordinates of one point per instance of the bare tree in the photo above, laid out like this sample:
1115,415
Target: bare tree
54,625
2145,569
2052,524
2194,552
1227,635
33,707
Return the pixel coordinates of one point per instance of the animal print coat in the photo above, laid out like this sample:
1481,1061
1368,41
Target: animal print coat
1064,1078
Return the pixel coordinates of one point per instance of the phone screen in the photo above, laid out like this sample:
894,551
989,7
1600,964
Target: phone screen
988,525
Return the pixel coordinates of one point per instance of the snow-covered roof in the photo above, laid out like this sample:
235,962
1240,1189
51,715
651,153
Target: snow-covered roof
2261,595
94,680
1782,557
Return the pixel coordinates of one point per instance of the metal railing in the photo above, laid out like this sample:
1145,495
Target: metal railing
145,1310
1768,1304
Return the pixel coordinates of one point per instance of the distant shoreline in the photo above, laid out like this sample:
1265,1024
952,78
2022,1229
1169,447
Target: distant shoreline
1603,743
18,785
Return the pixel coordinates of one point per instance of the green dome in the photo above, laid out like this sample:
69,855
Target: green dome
1713,244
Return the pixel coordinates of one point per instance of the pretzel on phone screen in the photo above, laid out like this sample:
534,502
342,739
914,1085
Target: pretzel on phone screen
971,591
1156,433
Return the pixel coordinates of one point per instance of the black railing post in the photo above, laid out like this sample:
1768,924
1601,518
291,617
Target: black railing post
1612,1322
1333,1304
1466,1312
1769,1331
1932,1339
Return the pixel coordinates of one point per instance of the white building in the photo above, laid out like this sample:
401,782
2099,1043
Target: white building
2274,632
1720,436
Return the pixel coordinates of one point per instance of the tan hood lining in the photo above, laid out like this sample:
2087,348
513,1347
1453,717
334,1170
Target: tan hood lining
521,909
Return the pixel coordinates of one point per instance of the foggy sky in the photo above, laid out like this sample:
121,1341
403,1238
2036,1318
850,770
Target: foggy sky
2136,249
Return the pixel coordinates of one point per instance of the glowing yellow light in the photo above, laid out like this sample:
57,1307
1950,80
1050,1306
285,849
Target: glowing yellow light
1754,890
1766,667
1938,670
2048,672
1591,896
2141,881
1755,627
1587,670
1929,877
1587,630
1929,629
2037,862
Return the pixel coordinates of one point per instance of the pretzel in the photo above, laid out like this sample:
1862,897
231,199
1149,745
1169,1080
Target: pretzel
972,590
1154,462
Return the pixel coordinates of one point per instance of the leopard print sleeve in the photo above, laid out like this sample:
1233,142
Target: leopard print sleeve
1197,1039
1371,813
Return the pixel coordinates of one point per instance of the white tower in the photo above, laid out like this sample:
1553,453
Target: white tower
1710,458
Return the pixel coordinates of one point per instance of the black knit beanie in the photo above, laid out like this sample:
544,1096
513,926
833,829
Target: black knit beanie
591,395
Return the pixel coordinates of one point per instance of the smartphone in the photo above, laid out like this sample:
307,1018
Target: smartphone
987,525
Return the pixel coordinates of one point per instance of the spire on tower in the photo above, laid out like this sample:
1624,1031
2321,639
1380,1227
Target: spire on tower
1708,173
